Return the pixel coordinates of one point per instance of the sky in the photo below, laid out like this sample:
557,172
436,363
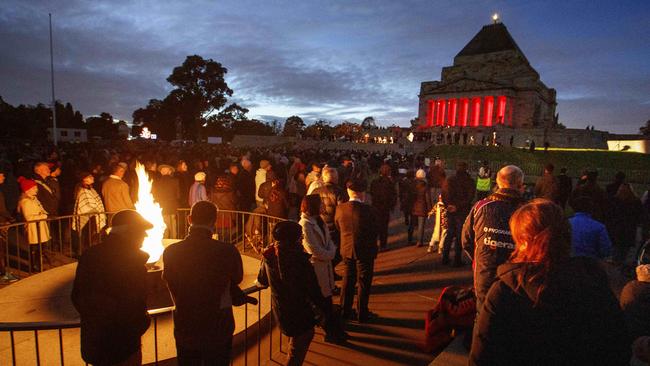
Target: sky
328,59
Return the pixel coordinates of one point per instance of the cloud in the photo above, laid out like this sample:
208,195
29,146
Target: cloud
330,60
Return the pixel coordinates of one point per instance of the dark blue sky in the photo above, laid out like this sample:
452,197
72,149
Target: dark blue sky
323,59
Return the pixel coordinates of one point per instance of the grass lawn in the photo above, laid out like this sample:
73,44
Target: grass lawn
635,165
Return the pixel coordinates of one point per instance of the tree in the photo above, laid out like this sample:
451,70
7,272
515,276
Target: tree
645,130
369,123
157,116
252,127
102,126
293,126
200,90
319,130
349,130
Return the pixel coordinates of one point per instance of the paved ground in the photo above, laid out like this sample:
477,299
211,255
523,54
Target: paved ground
407,283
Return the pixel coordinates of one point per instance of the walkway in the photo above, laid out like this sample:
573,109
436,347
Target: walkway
407,283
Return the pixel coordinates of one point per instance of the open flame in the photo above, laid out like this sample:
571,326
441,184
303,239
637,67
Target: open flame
152,212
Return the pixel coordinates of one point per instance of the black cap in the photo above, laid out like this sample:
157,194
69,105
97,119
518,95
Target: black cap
130,219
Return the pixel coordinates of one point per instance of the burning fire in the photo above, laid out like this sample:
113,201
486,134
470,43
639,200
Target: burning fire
152,212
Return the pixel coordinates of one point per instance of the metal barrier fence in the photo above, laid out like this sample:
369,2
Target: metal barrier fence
248,231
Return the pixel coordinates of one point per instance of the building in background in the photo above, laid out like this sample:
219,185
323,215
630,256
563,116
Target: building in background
69,134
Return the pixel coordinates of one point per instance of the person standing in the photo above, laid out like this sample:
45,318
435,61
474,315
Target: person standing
246,184
436,177
110,293
331,196
624,218
357,223
406,194
421,206
483,181
589,238
547,308
167,192
38,233
185,181
548,186
457,195
565,186
198,191
486,232
261,178
5,218
116,192
200,273
87,202
384,199
46,193
294,289
317,242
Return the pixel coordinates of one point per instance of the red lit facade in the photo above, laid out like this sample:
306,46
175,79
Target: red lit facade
483,111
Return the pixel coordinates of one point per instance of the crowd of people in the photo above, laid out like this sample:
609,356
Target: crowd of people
528,258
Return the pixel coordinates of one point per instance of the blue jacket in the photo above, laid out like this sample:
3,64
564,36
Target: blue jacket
589,237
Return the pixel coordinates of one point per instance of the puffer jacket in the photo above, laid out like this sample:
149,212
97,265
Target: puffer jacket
486,237
576,321
331,196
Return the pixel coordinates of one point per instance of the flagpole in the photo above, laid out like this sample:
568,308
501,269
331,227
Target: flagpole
54,131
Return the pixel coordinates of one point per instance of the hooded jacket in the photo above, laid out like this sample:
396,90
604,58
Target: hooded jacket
635,302
576,321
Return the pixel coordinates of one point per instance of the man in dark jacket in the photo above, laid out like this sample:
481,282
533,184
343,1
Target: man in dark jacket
565,186
589,188
46,194
5,218
357,223
200,273
457,195
246,186
384,198
486,232
167,192
435,178
110,291
547,186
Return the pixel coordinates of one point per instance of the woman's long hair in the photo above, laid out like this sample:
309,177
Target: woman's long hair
542,235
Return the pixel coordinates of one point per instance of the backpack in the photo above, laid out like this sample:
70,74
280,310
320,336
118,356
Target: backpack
455,311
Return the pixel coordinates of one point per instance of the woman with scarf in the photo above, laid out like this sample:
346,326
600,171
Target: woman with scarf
294,288
86,225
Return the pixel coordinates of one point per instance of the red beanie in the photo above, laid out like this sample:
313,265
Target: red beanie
26,184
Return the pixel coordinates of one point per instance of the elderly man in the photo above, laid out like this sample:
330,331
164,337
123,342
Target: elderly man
47,195
110,293
116,192
198,192
486,232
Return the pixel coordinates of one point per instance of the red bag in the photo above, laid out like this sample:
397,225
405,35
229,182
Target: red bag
455,310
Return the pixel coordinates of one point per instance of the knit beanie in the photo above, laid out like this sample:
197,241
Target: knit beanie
26,184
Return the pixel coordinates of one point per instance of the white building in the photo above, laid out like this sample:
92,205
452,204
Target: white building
69,135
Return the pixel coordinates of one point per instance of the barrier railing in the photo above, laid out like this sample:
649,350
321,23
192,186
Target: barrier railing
248,231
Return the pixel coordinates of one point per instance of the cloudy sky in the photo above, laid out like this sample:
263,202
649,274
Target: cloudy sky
323,59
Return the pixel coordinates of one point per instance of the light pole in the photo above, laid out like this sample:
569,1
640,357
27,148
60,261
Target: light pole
54,132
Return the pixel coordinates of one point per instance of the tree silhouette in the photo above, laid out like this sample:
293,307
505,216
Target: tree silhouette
369,123
293,126
645,130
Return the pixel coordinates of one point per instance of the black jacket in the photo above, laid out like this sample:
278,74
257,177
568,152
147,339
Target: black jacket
486,236
167,192
576,322
384,194
293,294
200,272
331,196
458,190
357,223
47,196
110,294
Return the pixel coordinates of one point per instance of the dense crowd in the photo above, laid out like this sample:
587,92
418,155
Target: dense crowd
534,269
